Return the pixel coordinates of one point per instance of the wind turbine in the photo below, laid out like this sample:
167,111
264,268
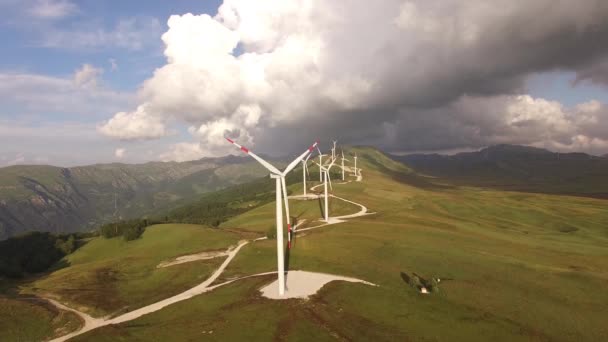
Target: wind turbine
326,179
280,190
333,150
355,157
320,163
305,171
343,159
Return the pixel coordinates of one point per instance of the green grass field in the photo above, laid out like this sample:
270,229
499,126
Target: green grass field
23,319
111,276
515,267
263,218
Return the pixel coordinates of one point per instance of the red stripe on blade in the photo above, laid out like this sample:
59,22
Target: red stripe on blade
231,141
244,149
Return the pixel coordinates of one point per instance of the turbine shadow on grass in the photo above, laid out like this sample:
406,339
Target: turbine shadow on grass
286,259
321,207
418,282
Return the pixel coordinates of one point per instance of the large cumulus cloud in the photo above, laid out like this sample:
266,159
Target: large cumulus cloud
400,74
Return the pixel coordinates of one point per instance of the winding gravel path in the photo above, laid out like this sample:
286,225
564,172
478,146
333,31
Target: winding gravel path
93,323
317,280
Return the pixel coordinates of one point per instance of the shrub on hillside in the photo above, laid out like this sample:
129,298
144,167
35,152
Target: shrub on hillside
129,230
271,233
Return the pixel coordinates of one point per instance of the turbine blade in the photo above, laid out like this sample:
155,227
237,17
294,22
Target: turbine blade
332,164
285,201
256,157
321,166
329,179
297,160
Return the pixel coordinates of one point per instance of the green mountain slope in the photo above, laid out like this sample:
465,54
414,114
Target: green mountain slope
518,168
513,267
47,198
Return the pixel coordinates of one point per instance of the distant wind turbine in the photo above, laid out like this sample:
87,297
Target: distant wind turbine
326,180
343,160
333,150
320,163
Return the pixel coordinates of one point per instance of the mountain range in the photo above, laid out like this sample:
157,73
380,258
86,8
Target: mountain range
57,199
518,168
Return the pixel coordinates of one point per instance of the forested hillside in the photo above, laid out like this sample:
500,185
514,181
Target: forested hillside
48,198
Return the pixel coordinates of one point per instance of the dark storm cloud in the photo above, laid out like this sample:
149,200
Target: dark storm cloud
401,75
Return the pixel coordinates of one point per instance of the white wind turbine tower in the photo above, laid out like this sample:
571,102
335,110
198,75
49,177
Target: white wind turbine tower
326,179
343,159
355,157
320,163
281,191
333,150
305,171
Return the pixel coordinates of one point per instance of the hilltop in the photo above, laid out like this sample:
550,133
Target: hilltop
519,168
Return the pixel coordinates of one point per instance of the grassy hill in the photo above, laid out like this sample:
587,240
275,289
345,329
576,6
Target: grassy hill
518,168
515,267
28,319
112,276
47,198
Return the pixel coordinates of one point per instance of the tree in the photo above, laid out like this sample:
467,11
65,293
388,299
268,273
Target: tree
271,233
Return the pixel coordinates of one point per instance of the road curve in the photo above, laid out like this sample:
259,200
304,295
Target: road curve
93,323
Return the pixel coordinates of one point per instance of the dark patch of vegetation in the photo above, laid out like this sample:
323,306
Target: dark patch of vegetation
34,252
211,209
214,208
271,233
129,229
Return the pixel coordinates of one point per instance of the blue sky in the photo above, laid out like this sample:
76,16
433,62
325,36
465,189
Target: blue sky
28,50
558,86
68,66
46,44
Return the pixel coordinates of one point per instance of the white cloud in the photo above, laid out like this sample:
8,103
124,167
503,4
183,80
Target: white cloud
132,33
134,125
81,94
41,160
87,76
67,143
475,121
120,153
113,64
18,159
183,152
52,9
302,68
